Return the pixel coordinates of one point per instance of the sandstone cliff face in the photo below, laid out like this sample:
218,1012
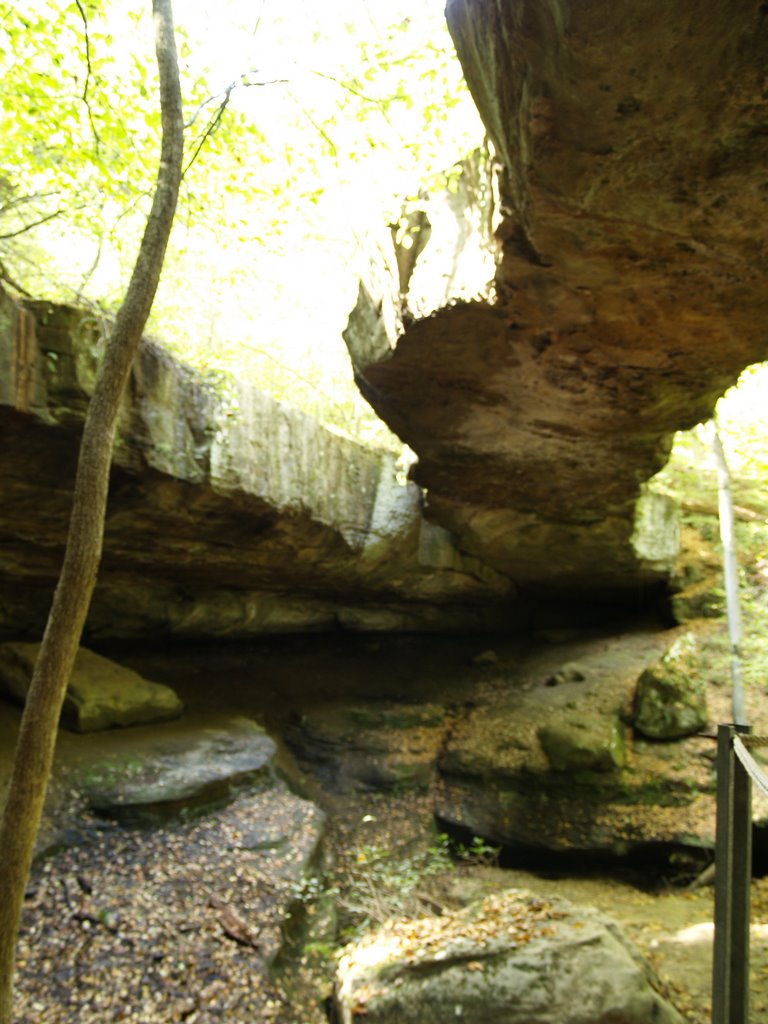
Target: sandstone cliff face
632,141
229,514
539,385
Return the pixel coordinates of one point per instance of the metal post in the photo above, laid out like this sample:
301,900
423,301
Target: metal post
733,873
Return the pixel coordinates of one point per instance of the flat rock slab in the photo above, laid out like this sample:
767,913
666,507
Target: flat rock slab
511,959
179,775
100,694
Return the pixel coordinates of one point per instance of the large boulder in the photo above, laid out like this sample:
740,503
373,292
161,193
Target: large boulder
511,959
179,774
671,699
100,693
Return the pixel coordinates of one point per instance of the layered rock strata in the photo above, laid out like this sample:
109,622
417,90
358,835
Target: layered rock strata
229,513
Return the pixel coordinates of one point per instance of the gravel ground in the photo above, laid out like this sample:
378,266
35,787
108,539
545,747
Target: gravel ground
178,924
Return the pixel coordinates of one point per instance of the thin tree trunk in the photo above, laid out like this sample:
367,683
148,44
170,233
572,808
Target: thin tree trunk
37,737
730,573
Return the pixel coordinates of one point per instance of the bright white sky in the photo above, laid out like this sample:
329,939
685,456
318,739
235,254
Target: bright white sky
297,309
280,37
275,286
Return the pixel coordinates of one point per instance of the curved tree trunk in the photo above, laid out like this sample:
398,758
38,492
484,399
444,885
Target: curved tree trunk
37,737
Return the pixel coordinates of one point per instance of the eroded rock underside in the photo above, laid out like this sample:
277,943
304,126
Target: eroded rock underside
629,292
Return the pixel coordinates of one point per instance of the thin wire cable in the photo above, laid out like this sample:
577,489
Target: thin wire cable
750,765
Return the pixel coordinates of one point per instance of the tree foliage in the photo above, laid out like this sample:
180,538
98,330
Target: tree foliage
316,121
691,477
80,138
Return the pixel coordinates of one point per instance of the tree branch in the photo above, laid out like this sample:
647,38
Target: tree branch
213,124
5,276
21,200
37,735
33,224
88,73
375,101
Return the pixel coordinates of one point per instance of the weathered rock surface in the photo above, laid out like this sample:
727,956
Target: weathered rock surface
179,775
671,698
583,741
369,745
534,750
628,295
218,523
557,767
100,693
512,959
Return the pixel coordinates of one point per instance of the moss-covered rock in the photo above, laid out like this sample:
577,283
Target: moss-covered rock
512,959
585,741
670,699
702,600
100,694
182,774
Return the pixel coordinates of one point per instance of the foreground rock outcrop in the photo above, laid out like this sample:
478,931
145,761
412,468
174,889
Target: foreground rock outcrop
511,959
229,513
631,232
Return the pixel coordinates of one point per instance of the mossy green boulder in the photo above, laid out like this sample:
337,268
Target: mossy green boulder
100,694
670,699
584,741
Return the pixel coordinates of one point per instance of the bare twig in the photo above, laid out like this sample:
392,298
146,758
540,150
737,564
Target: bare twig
33,224
374,100
319,129
91,270
21,200
88,73
213,124
243,81
5,276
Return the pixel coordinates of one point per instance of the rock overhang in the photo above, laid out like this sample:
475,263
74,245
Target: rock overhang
627,296
229,514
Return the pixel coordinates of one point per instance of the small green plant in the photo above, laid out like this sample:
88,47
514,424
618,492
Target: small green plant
375,885
477,851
